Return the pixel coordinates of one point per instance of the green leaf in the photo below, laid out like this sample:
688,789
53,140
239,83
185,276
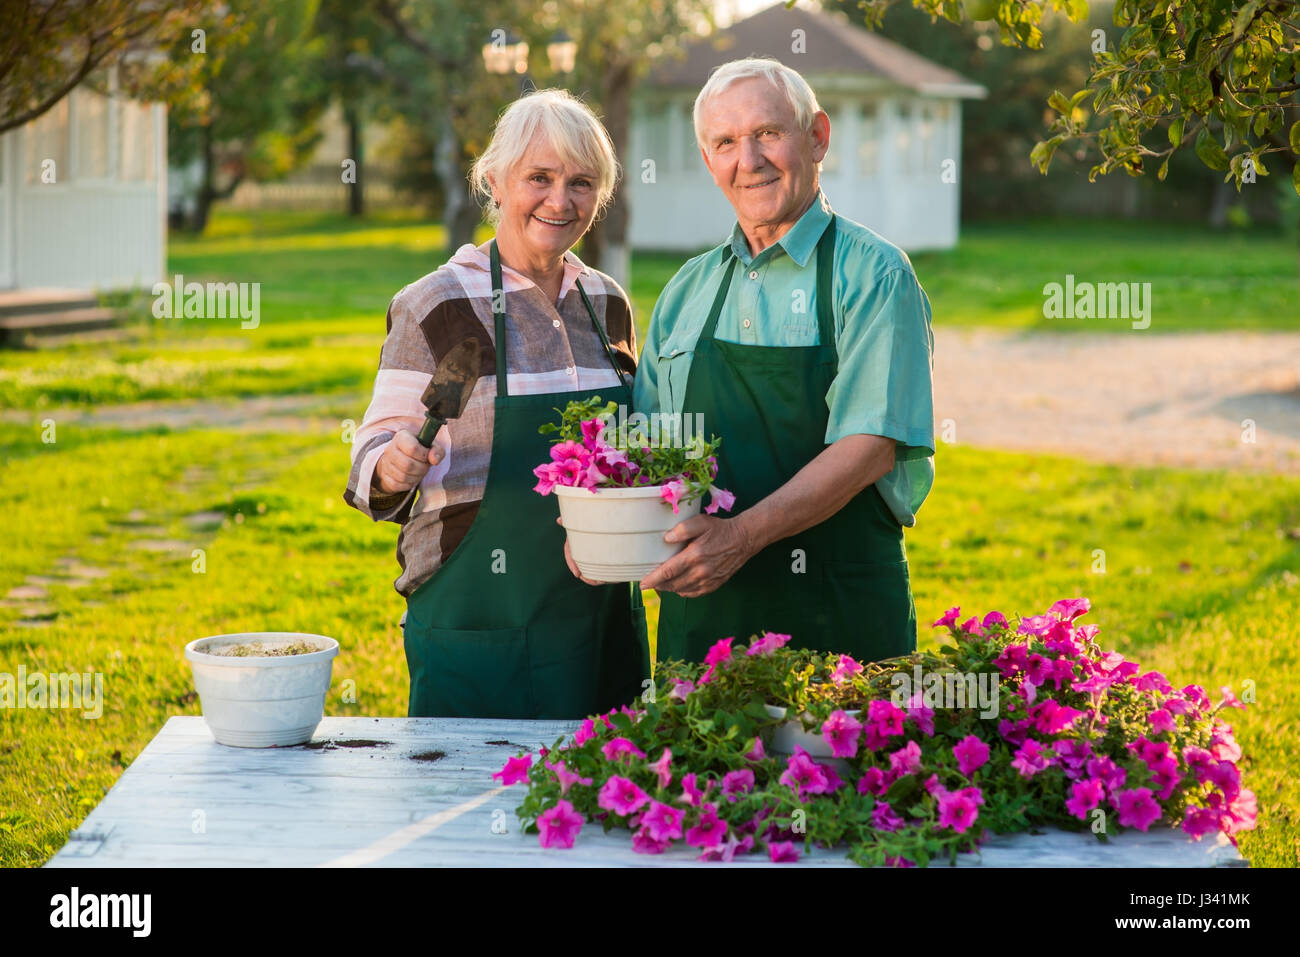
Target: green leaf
1209,150
1176,130
1295,177
1058,102
1244,16
1295,137
1163,171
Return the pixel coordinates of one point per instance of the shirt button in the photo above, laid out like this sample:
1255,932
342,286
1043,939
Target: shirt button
746,323
555,323
753,274
568,370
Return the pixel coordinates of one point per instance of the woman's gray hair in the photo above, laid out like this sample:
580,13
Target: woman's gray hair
795,88
570,126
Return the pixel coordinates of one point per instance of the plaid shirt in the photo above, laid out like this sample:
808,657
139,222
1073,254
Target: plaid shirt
549,350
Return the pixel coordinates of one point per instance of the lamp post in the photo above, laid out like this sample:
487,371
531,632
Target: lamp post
562,51
506,52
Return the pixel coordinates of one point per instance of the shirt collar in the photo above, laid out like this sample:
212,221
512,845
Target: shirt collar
475,258
799,240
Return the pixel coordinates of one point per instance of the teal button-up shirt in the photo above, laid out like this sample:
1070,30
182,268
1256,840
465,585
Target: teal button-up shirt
882,334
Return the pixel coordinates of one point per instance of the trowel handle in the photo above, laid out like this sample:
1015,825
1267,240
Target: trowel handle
429,430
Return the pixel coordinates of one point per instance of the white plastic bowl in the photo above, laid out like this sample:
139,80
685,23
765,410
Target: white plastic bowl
786,736
617,534
262,702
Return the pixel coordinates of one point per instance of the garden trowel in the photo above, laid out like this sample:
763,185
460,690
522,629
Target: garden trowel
448,391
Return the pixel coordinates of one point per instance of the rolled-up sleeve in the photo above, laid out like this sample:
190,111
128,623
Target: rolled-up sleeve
885,382
405,365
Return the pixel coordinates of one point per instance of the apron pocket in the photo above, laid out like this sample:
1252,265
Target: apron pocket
468,674
869,610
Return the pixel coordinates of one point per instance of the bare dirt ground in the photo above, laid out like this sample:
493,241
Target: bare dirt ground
1191,400
1213,400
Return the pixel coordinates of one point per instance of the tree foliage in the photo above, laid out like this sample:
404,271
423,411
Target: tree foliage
1218,77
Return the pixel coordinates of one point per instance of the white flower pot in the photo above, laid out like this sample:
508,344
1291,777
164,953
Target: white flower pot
262,702
617,534
791,733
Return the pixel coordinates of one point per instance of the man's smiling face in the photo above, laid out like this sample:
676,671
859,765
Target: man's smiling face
758,156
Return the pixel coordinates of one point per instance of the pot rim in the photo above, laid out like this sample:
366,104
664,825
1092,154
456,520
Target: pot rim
197,655
640,491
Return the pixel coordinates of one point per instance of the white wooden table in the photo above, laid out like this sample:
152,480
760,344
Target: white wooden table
340,802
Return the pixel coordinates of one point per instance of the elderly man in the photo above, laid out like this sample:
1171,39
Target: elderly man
805,343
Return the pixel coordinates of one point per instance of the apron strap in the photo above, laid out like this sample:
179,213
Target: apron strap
825,271
604,339
499,322
498,316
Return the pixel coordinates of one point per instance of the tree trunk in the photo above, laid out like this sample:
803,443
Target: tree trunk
203,202
609,245
1219,205
356,196
460,213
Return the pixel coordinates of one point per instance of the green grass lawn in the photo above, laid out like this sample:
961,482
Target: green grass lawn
327,281
1201,568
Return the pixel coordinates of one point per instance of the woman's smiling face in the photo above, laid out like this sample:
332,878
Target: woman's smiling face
546,204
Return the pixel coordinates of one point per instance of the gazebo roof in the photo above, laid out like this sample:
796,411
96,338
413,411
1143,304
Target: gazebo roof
835,45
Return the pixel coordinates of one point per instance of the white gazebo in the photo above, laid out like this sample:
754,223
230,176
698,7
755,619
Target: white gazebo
895,156
83,195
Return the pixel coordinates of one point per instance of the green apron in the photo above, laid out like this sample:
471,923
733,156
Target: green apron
503,629
840,586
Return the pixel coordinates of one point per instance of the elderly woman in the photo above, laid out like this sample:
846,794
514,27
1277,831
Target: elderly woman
496,625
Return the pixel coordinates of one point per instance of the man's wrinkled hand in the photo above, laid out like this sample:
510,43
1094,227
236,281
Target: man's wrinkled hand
717,548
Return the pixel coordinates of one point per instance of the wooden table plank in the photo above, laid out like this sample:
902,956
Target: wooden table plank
377,805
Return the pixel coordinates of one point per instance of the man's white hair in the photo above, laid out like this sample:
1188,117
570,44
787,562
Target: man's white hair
793,86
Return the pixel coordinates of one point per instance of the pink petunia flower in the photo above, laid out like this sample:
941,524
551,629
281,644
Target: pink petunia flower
1137,808
719,498
1199,821
736,783
719,653
883,818
782,852
558,826
710,830
644,843
906,760
618,747
662,822
691,794
845,669
872,782
681,689
971,754
841,732
728,849
756,751
622,796
949,617
995,618
769,643
566,777
660,768
1031,758
514,771
1161,720
919,714
1153,681
672,493
959,809
1070,608
1084,796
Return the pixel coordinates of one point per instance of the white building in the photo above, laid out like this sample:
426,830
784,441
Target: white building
83,195
895,153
